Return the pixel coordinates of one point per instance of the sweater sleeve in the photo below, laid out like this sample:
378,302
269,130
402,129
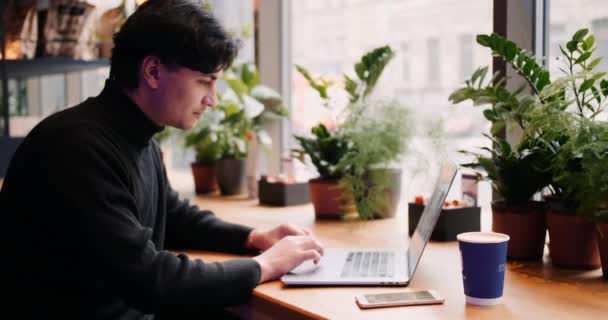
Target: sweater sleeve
192,228
95,215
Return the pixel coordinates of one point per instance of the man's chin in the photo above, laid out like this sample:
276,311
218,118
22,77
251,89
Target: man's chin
189,125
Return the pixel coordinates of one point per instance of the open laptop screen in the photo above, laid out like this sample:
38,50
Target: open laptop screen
431,212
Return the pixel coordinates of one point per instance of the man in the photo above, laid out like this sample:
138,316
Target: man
87,213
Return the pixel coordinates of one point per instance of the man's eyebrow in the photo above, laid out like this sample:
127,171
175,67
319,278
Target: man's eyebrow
212,76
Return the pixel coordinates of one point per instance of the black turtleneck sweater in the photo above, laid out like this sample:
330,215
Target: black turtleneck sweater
87,216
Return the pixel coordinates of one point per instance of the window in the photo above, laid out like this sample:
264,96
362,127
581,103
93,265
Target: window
405,62
599,27
433,62
566,17
557,37
434,49
466,56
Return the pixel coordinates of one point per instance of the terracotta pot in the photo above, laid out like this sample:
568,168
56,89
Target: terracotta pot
231,176
572,240
602,239
327,198
204,177
525,224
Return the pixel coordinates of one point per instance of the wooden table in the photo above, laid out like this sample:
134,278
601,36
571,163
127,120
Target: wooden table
532,290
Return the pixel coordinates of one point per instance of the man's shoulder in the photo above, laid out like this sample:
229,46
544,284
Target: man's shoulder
76,123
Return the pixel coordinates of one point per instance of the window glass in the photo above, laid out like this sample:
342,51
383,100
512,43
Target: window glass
565,18
434,43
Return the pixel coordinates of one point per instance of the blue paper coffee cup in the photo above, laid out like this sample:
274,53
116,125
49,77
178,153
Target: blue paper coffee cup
483,256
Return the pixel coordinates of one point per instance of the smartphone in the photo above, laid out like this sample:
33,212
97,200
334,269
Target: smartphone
394,299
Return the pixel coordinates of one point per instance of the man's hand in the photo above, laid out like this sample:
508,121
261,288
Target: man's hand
264,239
287,254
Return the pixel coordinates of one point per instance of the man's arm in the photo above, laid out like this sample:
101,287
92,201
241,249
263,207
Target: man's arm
95,215
189,227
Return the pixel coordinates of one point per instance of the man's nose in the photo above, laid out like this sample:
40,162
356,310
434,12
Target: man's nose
210,101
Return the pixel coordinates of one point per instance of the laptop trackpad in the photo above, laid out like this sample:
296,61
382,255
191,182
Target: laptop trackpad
306,267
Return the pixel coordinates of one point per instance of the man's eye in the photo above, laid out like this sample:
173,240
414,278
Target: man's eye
204,81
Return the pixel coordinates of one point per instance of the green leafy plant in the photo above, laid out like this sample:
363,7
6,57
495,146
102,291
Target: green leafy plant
221,134
372,135
516,173
521,61
561,134
325,150
583,163
505,106
261,103
225,130
378,131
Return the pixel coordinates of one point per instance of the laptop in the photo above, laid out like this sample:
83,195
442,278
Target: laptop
377,267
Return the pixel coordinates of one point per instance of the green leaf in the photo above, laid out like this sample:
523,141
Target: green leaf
604,87
586,85
504,147
351,87
571,46
563,51
250,75
598,75
238,86
543,80
589,42
510,50
498,127
594,63
596,94
528,67
490,115
579,35
483,40
583,57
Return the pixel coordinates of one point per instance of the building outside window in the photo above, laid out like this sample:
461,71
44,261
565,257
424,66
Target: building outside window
431,60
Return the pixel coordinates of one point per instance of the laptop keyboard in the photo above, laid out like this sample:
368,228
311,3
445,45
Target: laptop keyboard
369,264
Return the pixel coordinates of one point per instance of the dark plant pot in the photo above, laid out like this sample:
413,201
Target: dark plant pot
525,224
327,198
205,180
392,194
572,239
231,176
450,223
602,239
282,194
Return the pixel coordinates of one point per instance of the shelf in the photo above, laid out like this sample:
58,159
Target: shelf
45,66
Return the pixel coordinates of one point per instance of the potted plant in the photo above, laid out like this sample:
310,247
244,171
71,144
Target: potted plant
588,184
325,149
233,135
222,139
354,159
515,172
204,140
561,110
262,106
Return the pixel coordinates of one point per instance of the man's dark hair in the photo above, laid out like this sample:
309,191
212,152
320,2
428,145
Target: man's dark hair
179,32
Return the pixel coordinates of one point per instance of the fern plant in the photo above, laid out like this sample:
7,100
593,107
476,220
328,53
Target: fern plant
372,135
379,131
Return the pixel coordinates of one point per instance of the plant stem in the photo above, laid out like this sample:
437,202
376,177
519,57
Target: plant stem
571,68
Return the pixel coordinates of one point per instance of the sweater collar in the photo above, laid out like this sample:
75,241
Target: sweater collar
126,116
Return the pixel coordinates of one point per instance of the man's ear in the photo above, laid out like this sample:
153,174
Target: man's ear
150,71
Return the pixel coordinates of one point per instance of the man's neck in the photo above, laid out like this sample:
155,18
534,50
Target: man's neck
142,101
